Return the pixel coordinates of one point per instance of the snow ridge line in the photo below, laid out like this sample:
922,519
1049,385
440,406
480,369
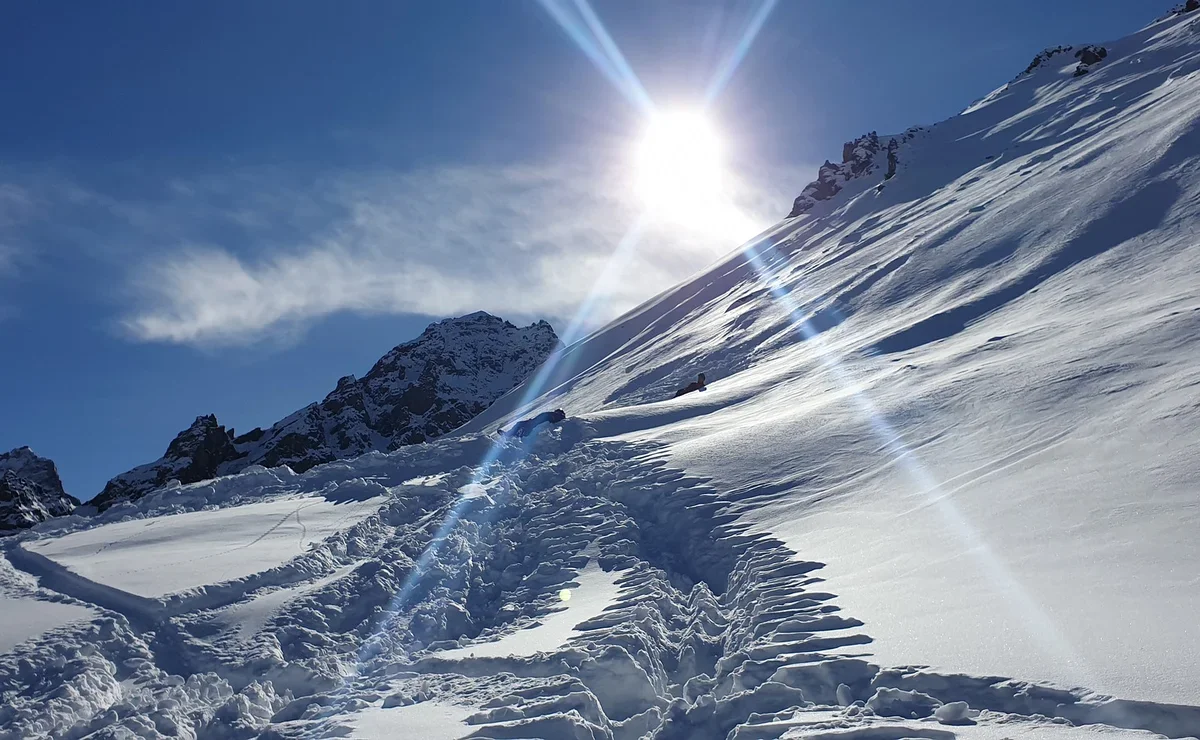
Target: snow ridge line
141,612
144,612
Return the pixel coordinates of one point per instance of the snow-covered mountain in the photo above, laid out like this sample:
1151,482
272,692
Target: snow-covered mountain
942,484
30,490
418,391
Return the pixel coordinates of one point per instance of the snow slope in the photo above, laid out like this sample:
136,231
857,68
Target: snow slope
595,591
971,392
942,484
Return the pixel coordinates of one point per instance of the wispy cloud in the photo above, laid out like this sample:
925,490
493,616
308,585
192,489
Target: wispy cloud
523,242
16,207
250,254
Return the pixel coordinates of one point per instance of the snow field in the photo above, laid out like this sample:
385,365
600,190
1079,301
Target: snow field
698,627
164,555
24,619
428,721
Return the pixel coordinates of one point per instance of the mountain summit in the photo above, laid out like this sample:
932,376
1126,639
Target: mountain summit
418,391
30,490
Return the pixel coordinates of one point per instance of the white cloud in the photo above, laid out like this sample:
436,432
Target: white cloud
522,242
16,207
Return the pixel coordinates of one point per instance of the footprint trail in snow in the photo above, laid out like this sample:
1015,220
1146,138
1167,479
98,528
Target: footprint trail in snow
685,625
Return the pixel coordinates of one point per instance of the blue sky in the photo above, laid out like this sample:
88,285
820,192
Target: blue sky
225,206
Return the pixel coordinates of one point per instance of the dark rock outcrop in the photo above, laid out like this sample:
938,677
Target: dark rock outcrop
418,391
1044,56
30,490
860,158
195,454
1091,54
1088,56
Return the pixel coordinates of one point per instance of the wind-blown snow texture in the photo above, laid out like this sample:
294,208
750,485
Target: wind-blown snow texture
30,490
418,391
942,484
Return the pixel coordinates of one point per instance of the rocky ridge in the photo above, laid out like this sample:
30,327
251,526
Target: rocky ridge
418,391
30,490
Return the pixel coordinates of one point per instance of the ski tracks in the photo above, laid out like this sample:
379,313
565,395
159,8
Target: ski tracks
713,631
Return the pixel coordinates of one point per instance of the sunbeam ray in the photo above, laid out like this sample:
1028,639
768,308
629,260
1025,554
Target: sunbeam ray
559,361
599,47
734,60
614,54
1038,622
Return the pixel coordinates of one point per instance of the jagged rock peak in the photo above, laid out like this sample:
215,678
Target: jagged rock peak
1044,56
419,390
860,157
1088,56
205,430
30,490
1187,7
26,463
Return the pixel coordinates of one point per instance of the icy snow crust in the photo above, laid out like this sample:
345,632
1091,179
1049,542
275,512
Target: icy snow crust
942,485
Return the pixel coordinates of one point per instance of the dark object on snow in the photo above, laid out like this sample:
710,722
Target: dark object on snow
1088,56
525,426
1091,54
697,385
1189,6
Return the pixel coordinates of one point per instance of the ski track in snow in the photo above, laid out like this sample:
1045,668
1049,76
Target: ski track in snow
948,439
687,625
592,593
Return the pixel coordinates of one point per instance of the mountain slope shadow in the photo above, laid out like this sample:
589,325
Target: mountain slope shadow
1137,214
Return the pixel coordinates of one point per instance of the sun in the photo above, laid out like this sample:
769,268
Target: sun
680,172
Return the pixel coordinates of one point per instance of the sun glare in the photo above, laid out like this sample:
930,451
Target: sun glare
681,177
680,174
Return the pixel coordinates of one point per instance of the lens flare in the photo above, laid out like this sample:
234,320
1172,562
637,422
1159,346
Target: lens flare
679,166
